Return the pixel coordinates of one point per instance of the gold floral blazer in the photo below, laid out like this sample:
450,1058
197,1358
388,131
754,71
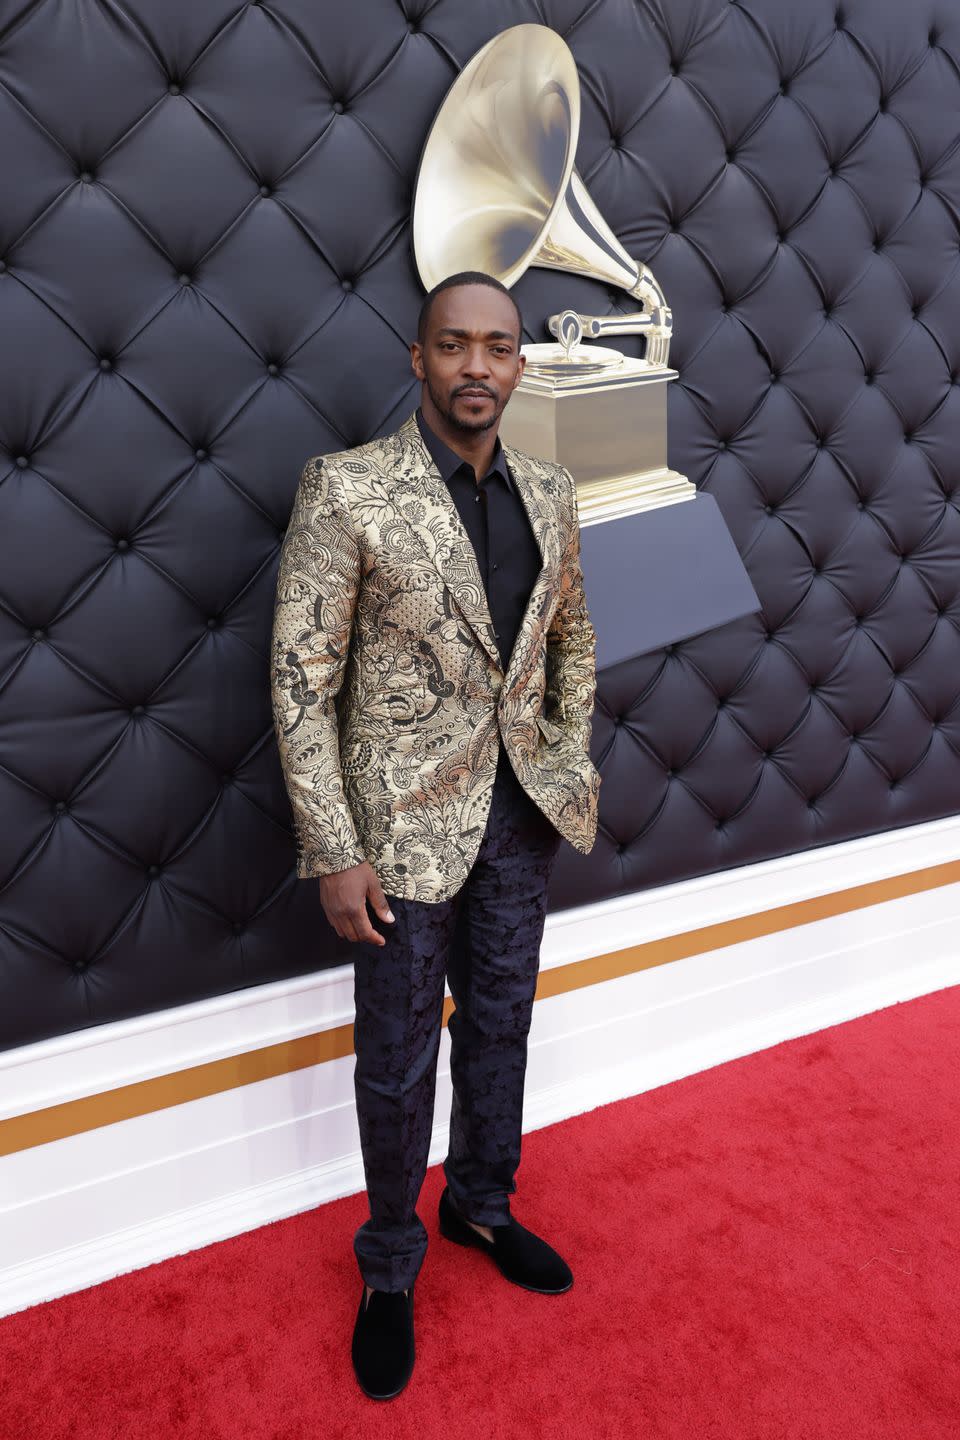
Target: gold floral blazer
389,694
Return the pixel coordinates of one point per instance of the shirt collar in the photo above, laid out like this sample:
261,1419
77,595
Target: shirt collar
448,462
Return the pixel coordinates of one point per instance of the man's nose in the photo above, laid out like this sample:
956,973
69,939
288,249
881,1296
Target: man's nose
476,363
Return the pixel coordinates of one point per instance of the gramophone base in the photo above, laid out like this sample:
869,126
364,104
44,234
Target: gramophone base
608,428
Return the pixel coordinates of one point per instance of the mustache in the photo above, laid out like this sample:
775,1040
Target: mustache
477,385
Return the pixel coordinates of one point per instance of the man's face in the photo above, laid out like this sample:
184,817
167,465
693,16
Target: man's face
470,358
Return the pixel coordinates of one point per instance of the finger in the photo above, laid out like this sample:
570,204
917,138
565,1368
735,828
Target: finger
365,931
379,901
356,929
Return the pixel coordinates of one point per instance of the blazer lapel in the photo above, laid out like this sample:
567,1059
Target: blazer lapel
441,533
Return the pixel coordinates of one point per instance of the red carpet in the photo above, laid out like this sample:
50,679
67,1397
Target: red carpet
765,1250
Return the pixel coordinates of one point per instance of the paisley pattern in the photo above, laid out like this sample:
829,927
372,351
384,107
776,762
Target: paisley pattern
486,940
389,696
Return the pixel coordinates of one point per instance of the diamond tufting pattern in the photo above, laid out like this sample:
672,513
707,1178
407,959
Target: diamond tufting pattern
205,277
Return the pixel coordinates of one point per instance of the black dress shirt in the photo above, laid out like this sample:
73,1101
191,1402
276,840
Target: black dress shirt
497,523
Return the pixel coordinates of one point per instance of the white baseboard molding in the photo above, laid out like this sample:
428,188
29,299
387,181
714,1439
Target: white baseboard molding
141,1190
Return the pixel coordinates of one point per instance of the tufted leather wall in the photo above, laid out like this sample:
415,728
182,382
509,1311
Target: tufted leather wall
205,277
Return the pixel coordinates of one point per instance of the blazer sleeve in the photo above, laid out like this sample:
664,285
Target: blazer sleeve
317,587
571,679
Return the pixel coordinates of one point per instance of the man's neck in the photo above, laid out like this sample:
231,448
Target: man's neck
474,446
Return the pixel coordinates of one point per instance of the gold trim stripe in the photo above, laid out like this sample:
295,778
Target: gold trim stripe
125,1102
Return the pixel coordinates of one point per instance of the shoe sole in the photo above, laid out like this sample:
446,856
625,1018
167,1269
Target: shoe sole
470,1244
378,1395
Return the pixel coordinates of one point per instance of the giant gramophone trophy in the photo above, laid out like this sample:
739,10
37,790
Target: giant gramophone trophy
497,191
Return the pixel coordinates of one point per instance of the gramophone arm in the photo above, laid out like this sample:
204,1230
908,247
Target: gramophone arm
655,320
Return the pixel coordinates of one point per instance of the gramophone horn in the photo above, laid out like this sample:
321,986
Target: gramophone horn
497,189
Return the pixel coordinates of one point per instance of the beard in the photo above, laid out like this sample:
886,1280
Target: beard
470,425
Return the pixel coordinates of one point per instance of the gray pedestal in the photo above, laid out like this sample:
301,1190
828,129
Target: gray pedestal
660,576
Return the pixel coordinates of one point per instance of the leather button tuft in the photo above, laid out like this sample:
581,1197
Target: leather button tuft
346,285
60,806
273,369
265,190
3,266
173,89
184,278
105,363
338,107
137,710
79,965
22,461
39,634
212,623
238,927
86,176
123,544
153,871
200,453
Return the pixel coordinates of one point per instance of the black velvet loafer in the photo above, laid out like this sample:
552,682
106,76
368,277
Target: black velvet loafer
519,1254
383,1349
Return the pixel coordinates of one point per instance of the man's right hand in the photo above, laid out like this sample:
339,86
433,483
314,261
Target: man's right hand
344,895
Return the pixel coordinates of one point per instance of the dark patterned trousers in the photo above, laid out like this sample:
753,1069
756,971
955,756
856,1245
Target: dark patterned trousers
485,941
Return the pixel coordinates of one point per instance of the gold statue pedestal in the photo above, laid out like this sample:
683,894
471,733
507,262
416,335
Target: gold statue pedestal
602,415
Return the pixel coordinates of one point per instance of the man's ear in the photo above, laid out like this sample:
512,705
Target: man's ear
416,360
521,366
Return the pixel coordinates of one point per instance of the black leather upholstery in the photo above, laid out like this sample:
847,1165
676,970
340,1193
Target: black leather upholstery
206,277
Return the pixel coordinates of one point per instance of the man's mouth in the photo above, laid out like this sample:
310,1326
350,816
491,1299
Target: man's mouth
473,395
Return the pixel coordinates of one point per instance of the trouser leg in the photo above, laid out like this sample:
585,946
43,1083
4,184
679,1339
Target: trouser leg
398,992
492,972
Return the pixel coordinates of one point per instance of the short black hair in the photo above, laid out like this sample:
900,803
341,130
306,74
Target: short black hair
464,277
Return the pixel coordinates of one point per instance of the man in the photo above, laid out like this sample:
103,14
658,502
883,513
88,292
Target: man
430,584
